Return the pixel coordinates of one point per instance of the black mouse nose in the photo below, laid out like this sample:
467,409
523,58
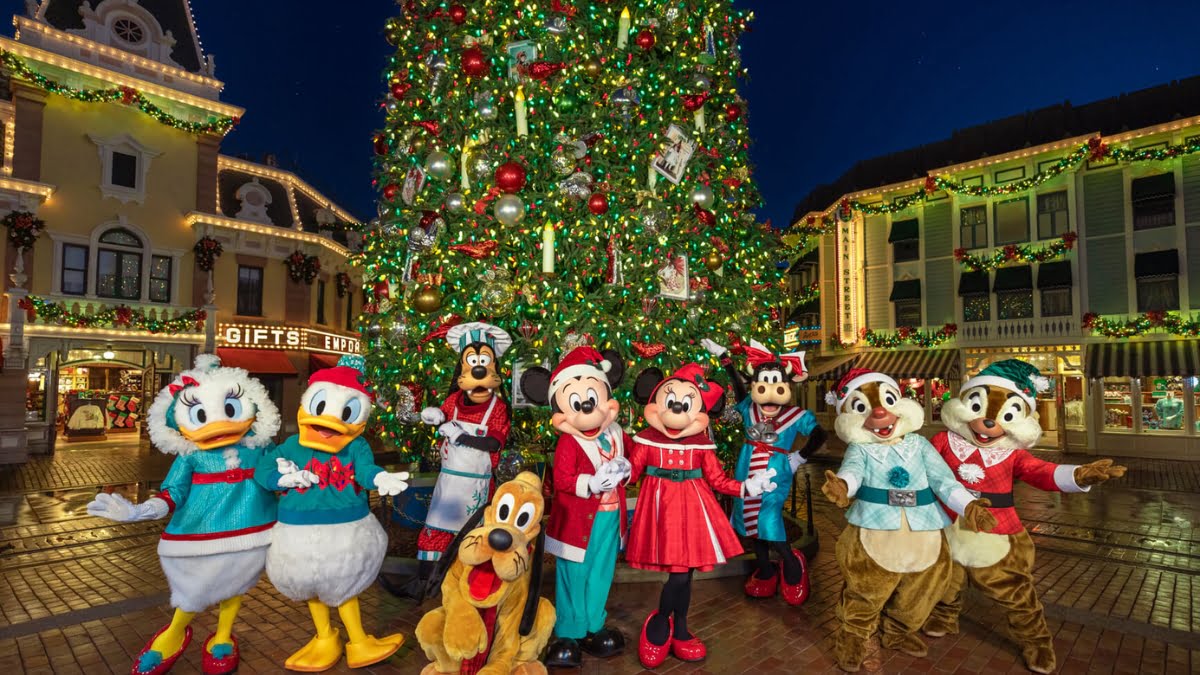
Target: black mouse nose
587,407
499,540
676,408
989,423
478,372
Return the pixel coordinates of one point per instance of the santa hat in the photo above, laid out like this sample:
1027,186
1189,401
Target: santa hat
710,392
1012,375
347,373
469,333
582,361
852,380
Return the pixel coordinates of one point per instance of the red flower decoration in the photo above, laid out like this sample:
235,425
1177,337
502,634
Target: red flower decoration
960,253
1089,319
1069,239
1156,317
930,184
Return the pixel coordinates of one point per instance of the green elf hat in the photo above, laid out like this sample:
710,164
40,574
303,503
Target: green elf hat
1012,375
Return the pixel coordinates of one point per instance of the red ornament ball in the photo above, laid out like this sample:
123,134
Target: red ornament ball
510,177
598,203
732,112
390,191
645,39
473,62
399,89
458,14
381,145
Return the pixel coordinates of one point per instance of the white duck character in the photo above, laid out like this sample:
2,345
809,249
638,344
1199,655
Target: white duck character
218,421
327,547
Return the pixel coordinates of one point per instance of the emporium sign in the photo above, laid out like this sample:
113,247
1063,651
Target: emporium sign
276,336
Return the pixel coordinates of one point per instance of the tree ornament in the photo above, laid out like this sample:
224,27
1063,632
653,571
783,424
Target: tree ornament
510,177
458,14
713,260
542,70
438,165
732,112
561,162
645,39
577,186
706,217
700,81
381,144
592,67
428,299
485,105
509,210
555,25
703,197
390,191
456,202
474,64
653,217
399,89
479,165
598,204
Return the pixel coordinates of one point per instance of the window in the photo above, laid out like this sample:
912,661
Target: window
1015,304
973,227
129,31
1012,221
1118,404
124,170
160,278
119,265
1153,199
905,239
321,301
1056,302
1052,215
250,291
74,269
977,307
905,251
908,313
124,165
1162,403
1158,294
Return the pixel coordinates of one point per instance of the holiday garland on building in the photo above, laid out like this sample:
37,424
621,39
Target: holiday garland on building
810,294
119,316
24,228
207,250
302,268
218,124
905,335
1014,253
1145,323
343,284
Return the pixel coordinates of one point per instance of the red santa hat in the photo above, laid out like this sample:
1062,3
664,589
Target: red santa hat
852,380
347,373
582,361
710,392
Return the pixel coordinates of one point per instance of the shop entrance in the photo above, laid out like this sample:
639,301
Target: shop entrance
1061,409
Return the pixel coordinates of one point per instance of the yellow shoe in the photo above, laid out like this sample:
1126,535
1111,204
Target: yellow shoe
372,650
320,654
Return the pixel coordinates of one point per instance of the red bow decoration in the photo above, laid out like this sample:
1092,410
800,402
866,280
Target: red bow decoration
481,205
648,350
432,126
930,185
756,357
124,316
477,250
128,95
440,330
706,217
183,383
1097,149
541,70
562,8
694,102
27,305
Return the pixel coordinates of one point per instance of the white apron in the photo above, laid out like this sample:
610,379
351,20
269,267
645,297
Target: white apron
462,485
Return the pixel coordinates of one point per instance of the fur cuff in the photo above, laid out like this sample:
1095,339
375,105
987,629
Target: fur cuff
581,486
958,500
1064,478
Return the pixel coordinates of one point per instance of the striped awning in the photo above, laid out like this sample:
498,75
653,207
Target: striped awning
923,363
830,367
1143,359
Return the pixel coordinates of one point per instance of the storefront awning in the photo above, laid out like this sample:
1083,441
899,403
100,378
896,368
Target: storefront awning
1156,264
923,363
830,367
1054,275
1014,279
906,290
1143,359
904,230
319,361
257,361
973,283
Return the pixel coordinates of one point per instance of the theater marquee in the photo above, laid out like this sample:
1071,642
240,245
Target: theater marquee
292,338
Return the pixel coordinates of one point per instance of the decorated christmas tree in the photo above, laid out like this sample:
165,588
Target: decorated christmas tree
570,171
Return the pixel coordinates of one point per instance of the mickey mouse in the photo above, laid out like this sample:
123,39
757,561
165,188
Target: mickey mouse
586,528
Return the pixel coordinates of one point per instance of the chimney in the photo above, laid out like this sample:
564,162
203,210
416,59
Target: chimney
270,160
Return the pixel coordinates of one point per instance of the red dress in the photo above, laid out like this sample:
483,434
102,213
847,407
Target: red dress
678,525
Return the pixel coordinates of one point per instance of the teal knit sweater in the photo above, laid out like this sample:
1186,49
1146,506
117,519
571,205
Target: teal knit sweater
340,495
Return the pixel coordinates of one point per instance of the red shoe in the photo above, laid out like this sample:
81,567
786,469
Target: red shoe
691,649
154,663
796,595
227,663
761,588
651,655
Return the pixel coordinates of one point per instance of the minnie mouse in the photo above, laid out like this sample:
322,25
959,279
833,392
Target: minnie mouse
678,527
586,527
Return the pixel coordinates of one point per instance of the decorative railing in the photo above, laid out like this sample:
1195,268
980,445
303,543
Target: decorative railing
1045,328
133,317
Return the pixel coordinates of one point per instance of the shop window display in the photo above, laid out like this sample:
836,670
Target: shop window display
939,393
97,400
1162,404
913,388
1118,404
35,395
1074,408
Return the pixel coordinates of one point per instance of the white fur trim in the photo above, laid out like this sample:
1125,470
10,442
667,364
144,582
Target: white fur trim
970,473
976,549
831,397
561,549
852,482
332,563
581,486
1002,382
958,499
200,582
859,382
1064,478
192,548
578,370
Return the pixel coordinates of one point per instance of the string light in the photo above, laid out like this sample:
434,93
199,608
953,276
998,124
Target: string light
115,316
1014,253
1145,323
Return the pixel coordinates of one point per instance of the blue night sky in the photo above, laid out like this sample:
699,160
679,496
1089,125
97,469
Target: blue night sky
831,82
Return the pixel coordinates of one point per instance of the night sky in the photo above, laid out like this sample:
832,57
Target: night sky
831,82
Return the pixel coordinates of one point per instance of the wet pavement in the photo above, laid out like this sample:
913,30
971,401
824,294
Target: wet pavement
1117,570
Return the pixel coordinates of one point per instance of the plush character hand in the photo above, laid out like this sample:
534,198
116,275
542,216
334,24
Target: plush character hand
391,484
604,480
836,490
713,348
758,483
432,415
450,430
468,638
116,507
622,467
1097,472
291,477
977,518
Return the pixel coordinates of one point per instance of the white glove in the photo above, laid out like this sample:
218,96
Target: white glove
290,475
390,484
451,431
603,480
621,468
795,460
116,507
759,483
433,415
713,348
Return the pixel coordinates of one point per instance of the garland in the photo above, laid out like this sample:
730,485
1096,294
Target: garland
23,229
908,335
343,282
809,294
126,95
1172,323
303,267
120,316
207,250
1094,150
1014,253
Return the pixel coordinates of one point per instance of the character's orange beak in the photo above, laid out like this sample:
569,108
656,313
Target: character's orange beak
326,433
217,434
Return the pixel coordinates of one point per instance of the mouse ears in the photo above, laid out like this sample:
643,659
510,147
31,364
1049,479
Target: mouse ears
535,385
616,369
645,384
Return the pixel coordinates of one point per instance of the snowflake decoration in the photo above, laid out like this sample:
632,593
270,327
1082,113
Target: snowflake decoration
970,473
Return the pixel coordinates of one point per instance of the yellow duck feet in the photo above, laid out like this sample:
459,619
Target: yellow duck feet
372,650
320,654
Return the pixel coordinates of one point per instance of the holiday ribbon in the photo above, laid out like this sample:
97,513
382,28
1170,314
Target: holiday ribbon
648,350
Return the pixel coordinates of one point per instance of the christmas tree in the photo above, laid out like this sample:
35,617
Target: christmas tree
569,171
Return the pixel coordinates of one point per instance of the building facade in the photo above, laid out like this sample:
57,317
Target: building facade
1073,244
151,246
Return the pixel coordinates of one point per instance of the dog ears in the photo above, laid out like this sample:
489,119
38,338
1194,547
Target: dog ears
718,407
534,596
617,372
643,386
535,384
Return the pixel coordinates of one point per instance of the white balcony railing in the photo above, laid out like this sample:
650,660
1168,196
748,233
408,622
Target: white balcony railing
1019,330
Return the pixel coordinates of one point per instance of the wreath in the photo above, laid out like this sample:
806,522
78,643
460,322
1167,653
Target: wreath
23,229
343,284
302,267
207,251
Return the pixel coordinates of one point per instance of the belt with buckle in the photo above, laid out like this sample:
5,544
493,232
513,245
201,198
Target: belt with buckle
920,497
999,500
674,475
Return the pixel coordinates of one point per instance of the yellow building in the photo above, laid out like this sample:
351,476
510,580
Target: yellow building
112,130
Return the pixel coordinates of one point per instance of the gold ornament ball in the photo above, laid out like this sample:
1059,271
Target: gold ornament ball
428,299
713,261
592,67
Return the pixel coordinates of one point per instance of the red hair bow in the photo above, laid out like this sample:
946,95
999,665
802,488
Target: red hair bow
183,383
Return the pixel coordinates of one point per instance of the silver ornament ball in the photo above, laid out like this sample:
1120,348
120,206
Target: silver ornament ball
456,202
509,210
703,197
562,163
438,165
